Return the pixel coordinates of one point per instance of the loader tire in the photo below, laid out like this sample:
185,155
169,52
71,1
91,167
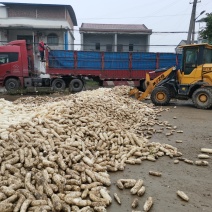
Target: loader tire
12,84
76,85
160,96
202,98
58,85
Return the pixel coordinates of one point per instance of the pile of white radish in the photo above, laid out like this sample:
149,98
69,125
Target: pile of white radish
55,153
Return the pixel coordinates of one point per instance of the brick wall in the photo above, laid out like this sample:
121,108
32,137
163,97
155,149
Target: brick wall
22,11
51,12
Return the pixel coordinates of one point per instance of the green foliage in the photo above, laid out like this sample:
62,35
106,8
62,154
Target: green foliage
206,33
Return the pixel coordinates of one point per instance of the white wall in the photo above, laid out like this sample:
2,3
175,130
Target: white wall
140,42
35,23
3,12
90,40
3,36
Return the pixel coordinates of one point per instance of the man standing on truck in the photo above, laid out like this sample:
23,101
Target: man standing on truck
41,48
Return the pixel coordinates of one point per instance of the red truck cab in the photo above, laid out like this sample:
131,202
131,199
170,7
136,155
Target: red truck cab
14,64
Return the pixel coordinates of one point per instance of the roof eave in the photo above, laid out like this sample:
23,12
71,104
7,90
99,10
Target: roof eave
114,31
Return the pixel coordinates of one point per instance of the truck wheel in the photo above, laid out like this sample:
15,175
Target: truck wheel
12,84
58,85
160,96
202,98
76,85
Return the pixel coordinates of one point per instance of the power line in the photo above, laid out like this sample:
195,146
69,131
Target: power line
154,16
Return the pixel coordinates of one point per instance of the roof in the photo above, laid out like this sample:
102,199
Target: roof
69,8
89,27
200,44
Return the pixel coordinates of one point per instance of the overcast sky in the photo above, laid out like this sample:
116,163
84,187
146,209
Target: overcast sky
158,15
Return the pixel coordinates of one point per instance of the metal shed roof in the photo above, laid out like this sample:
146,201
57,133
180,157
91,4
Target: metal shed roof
69,8
90,27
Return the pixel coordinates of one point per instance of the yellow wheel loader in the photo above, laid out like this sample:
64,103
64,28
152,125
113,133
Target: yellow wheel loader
192,81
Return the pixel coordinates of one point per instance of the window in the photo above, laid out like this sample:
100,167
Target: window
190,60
109,48
52,39
27,38
207,56
8,57
191,56
119,48
97,46
130,47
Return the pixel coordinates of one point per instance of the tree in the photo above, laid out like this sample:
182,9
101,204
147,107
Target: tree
206,33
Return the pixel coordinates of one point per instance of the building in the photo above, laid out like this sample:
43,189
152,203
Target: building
178,49
115,37
32,22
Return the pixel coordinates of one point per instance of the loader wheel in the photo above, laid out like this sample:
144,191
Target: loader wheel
160,96
202,98
76,85
12,84
58,85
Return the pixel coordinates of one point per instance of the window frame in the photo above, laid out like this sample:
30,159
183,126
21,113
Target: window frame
51,39
9,57
131,47
97,46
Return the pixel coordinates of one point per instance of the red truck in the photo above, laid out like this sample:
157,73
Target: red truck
68,69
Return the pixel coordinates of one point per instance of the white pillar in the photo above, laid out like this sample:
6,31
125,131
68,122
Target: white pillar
82,42
115,42
148,43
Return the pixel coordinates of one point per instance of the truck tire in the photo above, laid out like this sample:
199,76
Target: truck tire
160,96
76,85
202,98
12,84
58,85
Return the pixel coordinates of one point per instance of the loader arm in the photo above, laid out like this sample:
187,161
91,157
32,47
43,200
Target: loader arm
150,85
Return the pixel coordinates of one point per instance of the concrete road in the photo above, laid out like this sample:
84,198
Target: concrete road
195,181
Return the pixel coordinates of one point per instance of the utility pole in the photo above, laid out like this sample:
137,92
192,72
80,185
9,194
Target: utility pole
192,22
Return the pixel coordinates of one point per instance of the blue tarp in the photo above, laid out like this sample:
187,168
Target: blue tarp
61,59
144,61
112,60
89,60
116,60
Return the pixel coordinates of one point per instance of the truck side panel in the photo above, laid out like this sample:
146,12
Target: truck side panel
108,65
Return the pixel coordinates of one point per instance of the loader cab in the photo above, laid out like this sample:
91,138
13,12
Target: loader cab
194,56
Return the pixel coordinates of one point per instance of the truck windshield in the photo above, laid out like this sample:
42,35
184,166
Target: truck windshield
8,57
